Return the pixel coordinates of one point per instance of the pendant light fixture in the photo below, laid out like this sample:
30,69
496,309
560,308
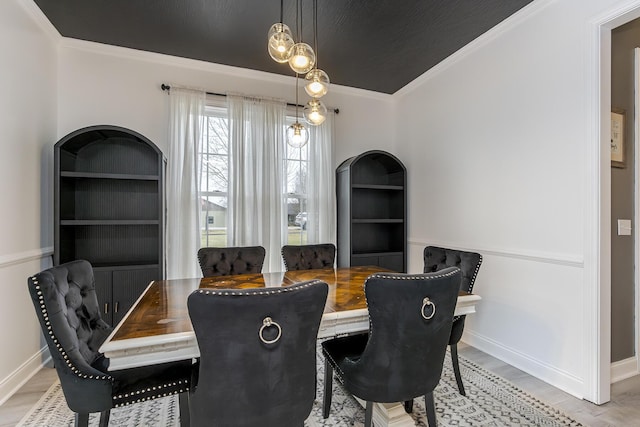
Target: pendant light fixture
280,39
317,81
315,112
280,42
301,57
297,134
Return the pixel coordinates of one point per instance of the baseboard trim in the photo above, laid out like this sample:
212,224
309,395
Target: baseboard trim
20,376
541,370
623,369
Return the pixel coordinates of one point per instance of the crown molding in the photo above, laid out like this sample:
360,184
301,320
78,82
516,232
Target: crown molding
40,19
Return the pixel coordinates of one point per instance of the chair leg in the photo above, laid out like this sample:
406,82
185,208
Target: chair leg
183,402
328,388
431,410
368,413
81,420
408,406
104,418
456,368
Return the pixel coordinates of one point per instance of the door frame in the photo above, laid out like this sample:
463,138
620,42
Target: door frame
636,197
597,307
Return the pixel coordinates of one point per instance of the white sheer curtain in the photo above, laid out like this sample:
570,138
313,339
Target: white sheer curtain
321,185
257,210
183,200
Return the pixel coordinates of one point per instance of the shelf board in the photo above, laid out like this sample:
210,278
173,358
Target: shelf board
99,266
109,222
377,220
376,253
95,175
377,187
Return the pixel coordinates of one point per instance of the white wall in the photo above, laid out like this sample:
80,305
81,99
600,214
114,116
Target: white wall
27,123
108,85
497,149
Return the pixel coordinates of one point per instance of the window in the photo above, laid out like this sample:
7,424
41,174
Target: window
214,182
214,178
296,169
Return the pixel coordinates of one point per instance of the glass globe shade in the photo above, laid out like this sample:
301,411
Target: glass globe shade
317,83
297,135
302,59
315,112
280,42
279,27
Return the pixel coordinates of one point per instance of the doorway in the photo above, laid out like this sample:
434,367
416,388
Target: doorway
598,307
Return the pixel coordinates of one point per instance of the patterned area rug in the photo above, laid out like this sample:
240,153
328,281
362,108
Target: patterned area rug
490,401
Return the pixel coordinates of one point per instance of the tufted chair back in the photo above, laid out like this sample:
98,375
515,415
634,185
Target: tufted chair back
67,307
66,304
309,257
231,261
254,371
436,259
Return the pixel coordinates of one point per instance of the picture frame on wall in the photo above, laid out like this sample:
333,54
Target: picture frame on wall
617,138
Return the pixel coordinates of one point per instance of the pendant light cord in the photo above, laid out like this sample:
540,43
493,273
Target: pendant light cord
315,30
300,33
281,11
297,97
299,30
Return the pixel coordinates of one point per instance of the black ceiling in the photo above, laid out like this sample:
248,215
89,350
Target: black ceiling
379,45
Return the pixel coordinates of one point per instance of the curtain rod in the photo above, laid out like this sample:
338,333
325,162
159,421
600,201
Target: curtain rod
168,88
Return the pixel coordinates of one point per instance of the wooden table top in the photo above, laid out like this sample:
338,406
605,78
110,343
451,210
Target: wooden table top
162,308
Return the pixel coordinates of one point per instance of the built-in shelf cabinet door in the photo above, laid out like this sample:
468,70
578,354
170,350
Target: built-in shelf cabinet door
109,210
372,211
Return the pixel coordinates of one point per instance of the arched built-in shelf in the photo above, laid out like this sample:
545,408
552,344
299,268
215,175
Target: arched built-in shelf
109,210
372,207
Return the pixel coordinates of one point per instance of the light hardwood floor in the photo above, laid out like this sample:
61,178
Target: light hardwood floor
19,404
623,409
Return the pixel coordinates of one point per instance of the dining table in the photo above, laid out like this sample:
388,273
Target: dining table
157,328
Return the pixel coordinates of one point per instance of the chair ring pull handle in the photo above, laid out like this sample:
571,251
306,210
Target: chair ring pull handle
266,323
425,303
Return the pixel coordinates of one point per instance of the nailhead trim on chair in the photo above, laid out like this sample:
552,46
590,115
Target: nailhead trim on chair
335,366
471,282
407,277
475,273
45,316
275,291
156,388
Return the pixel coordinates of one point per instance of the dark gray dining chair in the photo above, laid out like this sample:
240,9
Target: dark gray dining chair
257,354
67,307
308,257
401,357
436,259
229,261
